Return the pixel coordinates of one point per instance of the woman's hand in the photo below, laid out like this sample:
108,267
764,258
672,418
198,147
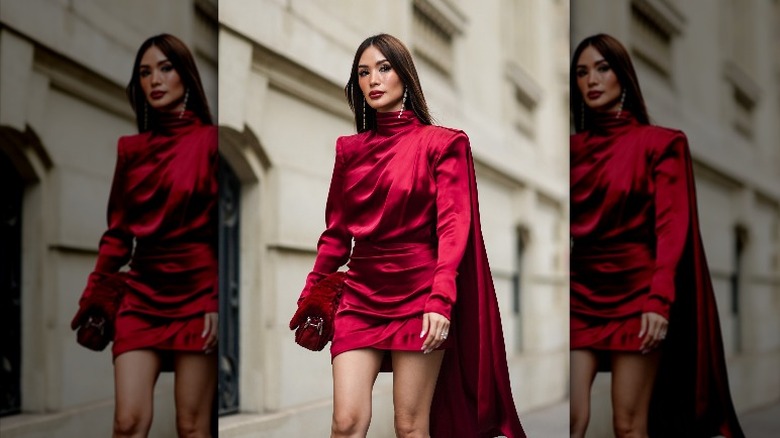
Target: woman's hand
435,330
210,327
653,330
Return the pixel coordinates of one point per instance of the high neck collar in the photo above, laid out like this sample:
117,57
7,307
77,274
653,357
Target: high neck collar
390,123
171,123
610,120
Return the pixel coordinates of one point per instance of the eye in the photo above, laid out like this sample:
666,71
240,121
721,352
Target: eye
144,73
385,68
581,72
603,68
166,68
362,73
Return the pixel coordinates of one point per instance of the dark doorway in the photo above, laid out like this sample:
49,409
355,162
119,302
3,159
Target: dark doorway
11,192
229,256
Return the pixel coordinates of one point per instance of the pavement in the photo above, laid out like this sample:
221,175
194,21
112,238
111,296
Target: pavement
553,421
548,422
762,423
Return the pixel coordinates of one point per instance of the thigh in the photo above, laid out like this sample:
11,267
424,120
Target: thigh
414,381
135,373
354,374
195,383
584,365
633,376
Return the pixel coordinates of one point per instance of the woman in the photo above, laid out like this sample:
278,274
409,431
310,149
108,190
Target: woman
163,200
418,284
641,300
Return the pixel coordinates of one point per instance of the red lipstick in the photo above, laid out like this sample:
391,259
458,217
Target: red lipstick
376,94
157,94
594,94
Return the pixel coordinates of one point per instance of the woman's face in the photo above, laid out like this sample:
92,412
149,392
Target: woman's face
160,82
597,82
380,84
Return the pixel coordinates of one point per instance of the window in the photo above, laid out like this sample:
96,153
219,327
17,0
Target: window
435,24
740,241
655,23
517,285
229,226
10,285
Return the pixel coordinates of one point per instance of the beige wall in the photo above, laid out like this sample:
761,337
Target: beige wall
715,48
63,69
283,65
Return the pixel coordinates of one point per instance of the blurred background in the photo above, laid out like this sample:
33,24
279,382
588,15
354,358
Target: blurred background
712,69
496,69
64,65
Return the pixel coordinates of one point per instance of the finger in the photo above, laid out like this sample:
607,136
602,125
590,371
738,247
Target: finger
424,326
206,326
643,326
212,341
659,329
442,332
430,340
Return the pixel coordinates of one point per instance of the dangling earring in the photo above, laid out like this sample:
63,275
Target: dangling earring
146,116
582,115
622,100
403,104
184,104
364,114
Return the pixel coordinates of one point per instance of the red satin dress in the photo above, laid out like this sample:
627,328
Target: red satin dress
636,247
406,193
164,198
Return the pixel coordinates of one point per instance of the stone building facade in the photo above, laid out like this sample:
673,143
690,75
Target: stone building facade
712,69
63,69
496,69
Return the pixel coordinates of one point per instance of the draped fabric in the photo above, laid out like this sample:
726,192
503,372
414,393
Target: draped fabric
164,200
406,193
636,248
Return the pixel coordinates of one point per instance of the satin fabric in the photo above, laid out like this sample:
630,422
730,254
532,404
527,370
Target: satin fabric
636,247
164,199
406,193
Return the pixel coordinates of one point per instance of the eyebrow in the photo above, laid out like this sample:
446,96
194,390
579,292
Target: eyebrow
600,61
159,63
377,63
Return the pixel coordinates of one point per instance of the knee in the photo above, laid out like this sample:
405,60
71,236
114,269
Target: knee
579,417
578,424
187,426
629,425
410,426
350,423
131,424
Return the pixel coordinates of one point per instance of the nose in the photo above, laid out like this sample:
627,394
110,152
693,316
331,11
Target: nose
592,77
373,78
155,77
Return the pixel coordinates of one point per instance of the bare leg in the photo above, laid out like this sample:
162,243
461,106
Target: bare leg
584,366
633,375
354,374
135,373
195,385
414,381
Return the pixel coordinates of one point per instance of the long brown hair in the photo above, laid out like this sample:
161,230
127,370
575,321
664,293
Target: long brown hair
176,51
620,62
400,59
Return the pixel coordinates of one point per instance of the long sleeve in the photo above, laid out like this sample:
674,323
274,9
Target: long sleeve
671,224
453,210
117,242
335,243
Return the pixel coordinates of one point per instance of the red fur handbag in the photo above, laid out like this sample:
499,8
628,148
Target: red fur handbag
313,321
98,307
